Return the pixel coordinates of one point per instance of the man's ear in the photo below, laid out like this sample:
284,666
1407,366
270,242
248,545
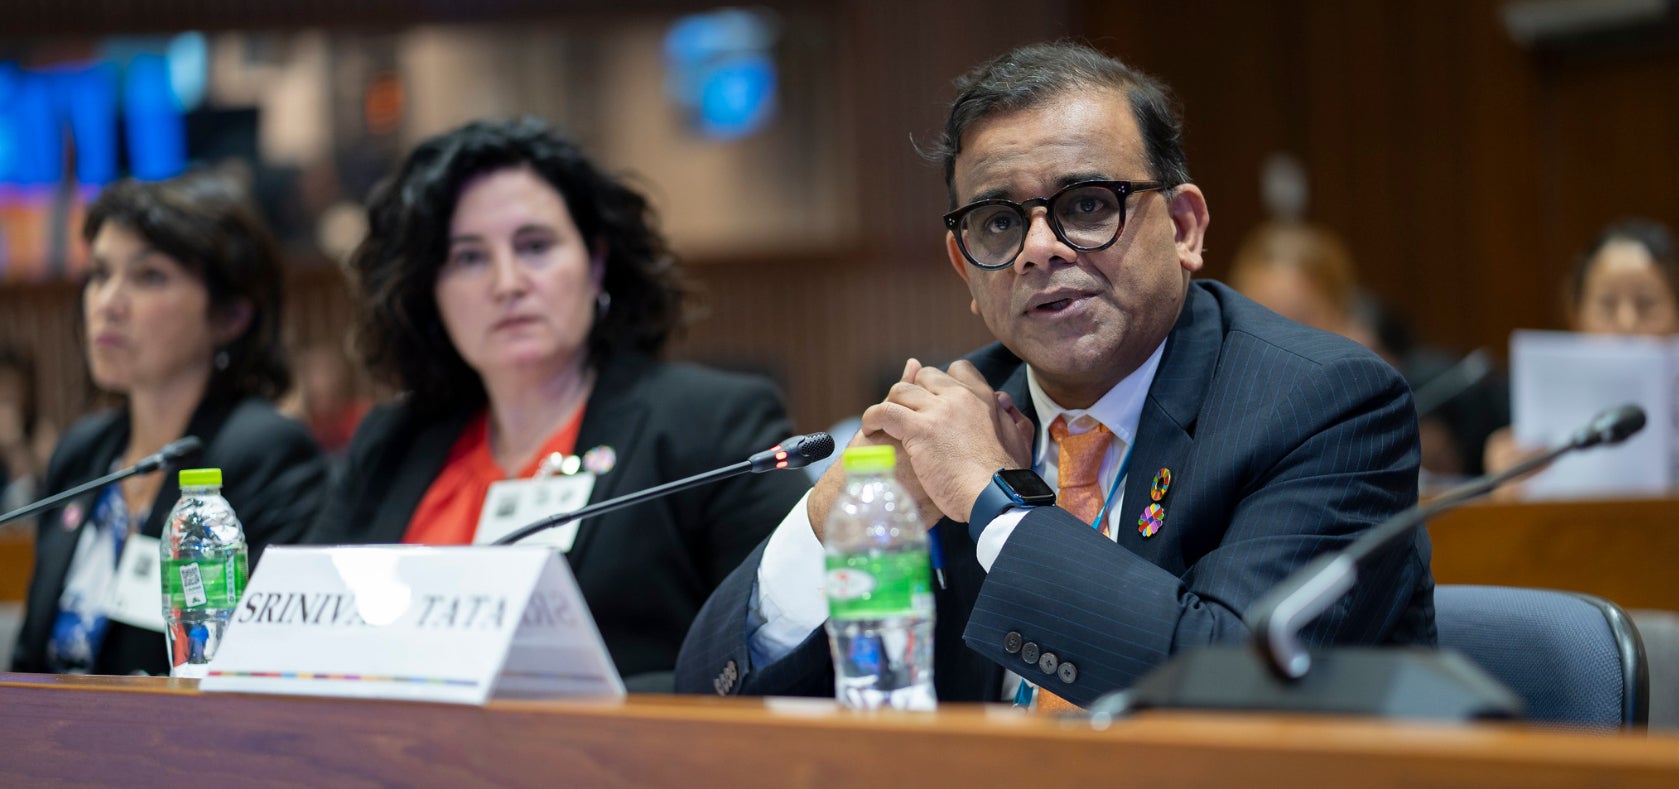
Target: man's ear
1189,222
231,322
959,262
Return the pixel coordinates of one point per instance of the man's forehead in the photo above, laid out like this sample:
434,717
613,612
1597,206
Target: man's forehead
1082,136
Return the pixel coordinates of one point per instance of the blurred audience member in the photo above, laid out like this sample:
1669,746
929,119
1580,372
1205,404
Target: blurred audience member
1626,282
1305,273
326,397
181,314
25,442
519,295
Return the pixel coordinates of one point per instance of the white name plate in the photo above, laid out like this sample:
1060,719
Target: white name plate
456,624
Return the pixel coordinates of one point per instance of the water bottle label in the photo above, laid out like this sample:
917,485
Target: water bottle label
871,587
204,583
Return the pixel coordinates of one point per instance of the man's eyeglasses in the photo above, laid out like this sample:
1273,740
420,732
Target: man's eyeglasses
1087,216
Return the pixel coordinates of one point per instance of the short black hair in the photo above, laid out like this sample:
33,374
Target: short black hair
400,334
207,223
1647,233
1031,75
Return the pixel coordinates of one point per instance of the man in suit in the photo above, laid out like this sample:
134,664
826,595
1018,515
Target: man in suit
1204,448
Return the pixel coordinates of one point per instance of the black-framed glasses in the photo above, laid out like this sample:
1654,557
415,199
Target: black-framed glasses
1087,216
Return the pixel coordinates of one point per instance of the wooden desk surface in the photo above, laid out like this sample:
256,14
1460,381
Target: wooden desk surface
1625,550
153,731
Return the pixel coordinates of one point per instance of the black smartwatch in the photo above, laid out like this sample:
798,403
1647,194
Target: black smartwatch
1010,487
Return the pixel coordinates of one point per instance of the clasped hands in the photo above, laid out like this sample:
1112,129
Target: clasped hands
953,430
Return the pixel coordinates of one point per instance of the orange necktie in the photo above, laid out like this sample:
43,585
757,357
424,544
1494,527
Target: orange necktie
1080,493
1076,470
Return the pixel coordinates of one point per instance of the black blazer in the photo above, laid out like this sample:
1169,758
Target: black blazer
272,473
1283,442
644,570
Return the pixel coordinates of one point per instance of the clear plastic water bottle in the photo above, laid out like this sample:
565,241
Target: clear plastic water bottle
879,587
204,569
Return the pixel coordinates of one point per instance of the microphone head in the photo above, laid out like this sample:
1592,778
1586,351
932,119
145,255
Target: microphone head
809,448
176,450
1611,427
795,452
169,455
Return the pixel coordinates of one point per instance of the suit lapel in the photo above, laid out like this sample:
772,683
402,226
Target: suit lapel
417,468
1165,433
614,417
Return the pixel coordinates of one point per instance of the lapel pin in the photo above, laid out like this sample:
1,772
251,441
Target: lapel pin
599,460
1154,517
1162,482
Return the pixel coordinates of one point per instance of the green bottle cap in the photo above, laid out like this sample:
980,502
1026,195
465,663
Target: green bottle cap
201,478
864,460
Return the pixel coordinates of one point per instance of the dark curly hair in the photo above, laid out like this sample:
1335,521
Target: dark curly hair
1029,76
208,225
399,330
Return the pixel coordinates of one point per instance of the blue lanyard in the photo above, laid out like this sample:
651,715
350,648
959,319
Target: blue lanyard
1113,490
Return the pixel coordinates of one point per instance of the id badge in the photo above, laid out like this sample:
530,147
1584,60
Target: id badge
514,503
136,593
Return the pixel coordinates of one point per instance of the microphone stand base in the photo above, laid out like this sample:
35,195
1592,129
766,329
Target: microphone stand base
1395,682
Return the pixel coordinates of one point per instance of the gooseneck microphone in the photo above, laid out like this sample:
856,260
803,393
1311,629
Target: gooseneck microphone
1404,681
169,455
795,452
1279,615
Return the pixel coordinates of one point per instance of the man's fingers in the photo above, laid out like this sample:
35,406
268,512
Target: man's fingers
1009,409
962,376
911,396
965,372
911,367
888,417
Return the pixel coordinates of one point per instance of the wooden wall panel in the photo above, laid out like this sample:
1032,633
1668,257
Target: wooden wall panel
1464,170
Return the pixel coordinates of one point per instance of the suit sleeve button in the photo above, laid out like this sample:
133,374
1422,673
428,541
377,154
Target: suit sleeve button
1067,673
725,681
1012,642
1029,652
1047,662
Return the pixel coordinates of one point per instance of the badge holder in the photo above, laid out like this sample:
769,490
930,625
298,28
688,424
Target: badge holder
563,483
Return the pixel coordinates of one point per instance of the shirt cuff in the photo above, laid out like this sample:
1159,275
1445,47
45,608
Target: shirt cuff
996,533
789,600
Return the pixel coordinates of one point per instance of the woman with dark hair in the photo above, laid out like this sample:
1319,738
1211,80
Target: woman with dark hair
1627,282
181,312
518,296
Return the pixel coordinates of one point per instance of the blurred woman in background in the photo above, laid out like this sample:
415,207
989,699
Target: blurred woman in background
1626,282
20,434
181,313
518,296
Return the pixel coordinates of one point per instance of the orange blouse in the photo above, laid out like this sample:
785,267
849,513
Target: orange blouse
448,513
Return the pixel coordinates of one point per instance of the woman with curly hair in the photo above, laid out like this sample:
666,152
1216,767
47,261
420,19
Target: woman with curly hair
518,296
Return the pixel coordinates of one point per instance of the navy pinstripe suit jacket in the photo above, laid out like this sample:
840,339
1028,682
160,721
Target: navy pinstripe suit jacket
1283,443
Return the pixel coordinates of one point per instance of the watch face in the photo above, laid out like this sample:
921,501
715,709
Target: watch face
1028,485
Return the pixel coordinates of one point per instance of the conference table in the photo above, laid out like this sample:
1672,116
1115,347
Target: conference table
142,731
